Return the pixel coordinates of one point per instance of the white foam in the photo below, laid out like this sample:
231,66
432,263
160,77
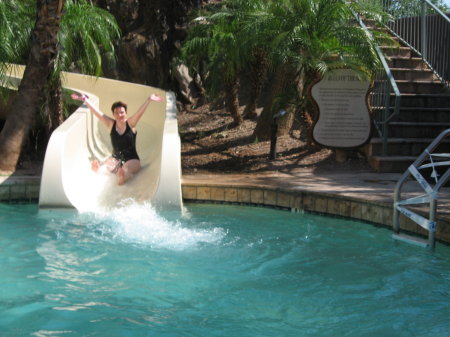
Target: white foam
98,185
140,223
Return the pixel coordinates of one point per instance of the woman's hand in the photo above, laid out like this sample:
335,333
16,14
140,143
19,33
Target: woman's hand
79,97
155,98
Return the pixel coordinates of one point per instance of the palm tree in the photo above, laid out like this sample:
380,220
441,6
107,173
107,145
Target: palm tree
310,38
84,36
214,48
252,15
44,49
85,40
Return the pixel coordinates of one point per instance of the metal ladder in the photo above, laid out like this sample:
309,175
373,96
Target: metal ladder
427,160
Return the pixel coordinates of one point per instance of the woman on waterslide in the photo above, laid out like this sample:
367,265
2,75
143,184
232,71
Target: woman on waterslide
124,161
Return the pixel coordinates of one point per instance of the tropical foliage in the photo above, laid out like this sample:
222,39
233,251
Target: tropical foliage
85,40
85,36
215,49
43,50
16,20
15,28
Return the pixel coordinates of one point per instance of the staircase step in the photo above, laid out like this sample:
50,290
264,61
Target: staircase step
423,87
414,240
394,164
429,101
417,114
399,164
423,115
435,100
414,129
397,51
413,74
406,62
404,146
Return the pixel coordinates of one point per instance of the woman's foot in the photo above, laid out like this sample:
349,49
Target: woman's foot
95,165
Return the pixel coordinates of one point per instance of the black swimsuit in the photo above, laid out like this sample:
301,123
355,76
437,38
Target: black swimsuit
124,146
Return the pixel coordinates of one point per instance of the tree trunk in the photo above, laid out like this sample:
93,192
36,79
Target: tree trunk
232,100
53,106
38,69
283,82
151,31
257,79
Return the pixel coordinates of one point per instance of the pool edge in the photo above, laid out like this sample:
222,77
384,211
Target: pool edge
373,212
293,199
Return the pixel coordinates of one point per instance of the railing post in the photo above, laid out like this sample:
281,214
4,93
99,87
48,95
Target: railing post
384,147
385,125
423,39
432,231
387,86
396,213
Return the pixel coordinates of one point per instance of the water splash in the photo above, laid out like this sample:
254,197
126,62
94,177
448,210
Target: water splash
140,224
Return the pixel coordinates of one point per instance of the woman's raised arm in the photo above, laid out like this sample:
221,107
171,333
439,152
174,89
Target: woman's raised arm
106,120
133,120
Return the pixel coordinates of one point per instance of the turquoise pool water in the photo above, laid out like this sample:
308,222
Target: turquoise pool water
216,271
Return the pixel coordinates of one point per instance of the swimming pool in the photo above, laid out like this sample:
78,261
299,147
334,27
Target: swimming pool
216,271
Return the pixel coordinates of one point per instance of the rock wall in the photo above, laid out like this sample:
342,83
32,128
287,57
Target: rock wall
150,31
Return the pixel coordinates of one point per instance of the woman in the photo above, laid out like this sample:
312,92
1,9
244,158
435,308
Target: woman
124,161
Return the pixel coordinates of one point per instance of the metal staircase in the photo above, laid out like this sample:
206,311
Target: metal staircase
410,113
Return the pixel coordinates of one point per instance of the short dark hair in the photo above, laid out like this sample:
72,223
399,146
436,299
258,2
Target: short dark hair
118,104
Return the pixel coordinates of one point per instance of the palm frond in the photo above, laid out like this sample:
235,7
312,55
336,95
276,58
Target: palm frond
16,22
86,34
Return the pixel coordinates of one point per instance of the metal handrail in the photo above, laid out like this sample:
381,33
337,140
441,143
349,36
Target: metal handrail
426,29
384,89
431,192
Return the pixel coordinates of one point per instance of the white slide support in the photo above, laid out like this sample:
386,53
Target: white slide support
67,178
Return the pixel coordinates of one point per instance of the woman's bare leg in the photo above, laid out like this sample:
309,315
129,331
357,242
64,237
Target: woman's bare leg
112,164
127,170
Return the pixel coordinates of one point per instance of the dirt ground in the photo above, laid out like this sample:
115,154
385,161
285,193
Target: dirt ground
210,143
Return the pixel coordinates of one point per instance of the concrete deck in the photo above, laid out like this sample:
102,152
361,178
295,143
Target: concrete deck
363,185
363,195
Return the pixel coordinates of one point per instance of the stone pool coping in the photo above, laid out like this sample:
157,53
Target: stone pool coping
360,195
365,196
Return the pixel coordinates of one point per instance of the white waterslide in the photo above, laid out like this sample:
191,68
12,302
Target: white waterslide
67,178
